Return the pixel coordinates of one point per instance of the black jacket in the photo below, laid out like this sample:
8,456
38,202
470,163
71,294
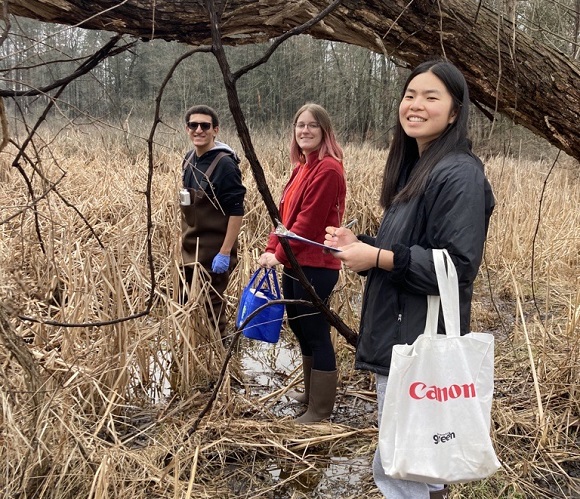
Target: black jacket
225,185
452,213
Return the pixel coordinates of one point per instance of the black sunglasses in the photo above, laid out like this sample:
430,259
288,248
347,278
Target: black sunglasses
192,125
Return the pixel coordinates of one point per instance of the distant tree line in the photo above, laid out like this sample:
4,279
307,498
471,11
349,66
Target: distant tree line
359,87
354,84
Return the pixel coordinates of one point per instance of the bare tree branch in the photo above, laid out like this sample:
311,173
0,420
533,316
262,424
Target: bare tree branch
409,30
245,139
92,62
298,30
89,64
150,143
4,124
168,459
108,50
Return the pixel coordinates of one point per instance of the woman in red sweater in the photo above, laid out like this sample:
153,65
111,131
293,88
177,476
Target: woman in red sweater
312,200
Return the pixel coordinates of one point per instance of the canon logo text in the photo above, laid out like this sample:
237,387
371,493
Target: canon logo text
419,390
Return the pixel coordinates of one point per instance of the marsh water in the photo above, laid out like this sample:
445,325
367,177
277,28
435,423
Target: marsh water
267,370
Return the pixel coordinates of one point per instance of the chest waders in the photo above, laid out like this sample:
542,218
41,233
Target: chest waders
203,228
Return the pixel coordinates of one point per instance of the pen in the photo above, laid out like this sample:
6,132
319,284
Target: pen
351,223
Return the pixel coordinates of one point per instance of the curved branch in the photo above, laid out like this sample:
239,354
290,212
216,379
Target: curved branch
293,32
4,124
168,459
36,199
93,61
244,135
151,169
119,320
408,30
97,57
536,231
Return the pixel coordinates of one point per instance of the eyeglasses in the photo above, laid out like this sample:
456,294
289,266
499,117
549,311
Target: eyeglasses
311,126
192,125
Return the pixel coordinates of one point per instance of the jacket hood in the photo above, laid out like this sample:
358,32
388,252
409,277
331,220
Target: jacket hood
222,146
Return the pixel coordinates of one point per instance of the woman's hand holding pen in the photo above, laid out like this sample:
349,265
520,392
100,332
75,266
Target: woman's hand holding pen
337,237
354,254
350,247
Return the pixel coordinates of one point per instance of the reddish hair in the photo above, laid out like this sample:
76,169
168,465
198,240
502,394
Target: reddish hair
329,146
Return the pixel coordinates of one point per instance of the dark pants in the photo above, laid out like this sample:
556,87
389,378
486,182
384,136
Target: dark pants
308,325
219,283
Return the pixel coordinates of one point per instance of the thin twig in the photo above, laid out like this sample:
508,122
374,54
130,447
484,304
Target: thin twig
537,229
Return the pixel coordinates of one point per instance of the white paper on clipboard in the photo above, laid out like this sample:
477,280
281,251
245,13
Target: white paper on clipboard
296,237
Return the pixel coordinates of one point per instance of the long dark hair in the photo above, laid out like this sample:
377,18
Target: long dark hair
404,151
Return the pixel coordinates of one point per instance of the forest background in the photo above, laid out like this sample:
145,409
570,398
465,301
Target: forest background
86,391
359,88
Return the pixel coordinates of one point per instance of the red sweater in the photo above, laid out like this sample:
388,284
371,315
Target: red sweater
315,204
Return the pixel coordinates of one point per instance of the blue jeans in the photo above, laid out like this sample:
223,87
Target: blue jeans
393,488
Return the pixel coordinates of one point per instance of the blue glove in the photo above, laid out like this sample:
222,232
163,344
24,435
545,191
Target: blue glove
220,263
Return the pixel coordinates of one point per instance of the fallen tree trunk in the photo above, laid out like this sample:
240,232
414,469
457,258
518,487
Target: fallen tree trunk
535,85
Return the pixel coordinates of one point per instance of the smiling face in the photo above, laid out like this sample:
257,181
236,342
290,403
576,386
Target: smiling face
426,109
308,133
203,140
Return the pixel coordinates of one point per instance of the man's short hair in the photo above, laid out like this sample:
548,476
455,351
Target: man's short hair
203,110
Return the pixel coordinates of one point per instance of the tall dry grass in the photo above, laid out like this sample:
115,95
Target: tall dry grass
85,410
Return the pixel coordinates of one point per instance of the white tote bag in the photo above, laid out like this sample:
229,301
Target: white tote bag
436,417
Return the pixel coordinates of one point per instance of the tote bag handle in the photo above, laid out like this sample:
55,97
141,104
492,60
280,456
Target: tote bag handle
268,281
448,296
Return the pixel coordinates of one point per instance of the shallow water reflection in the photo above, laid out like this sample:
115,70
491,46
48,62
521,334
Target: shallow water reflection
268,369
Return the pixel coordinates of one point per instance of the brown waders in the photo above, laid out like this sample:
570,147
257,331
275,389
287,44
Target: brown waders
204,226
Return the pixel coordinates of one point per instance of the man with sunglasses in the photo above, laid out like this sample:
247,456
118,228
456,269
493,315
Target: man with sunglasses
212,207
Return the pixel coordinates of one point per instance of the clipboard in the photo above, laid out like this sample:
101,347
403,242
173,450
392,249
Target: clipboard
296,237
282,231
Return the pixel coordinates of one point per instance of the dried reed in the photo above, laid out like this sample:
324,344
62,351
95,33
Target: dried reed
85,410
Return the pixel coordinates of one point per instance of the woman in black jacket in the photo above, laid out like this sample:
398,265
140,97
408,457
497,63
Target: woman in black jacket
435,195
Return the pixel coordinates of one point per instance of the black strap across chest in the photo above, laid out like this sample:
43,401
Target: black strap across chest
207,175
